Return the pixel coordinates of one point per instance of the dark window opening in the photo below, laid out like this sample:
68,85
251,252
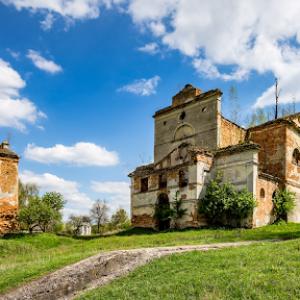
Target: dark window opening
162,181
204,109
144,184
262,193
296,157
183,179
182,115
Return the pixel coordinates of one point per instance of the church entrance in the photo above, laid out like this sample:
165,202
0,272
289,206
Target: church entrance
163,212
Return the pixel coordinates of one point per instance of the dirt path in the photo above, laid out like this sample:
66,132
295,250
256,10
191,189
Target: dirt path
100,269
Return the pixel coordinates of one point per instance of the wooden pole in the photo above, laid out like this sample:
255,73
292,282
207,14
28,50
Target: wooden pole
276,97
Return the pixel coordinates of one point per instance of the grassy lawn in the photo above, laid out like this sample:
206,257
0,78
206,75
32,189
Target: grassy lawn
27,257
264,271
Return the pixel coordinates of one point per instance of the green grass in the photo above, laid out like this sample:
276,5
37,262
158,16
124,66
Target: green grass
260,272
23,258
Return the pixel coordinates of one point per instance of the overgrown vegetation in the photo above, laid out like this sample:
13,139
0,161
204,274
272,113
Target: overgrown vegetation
224,205
24,257
171,212
40,212
284,202
238,273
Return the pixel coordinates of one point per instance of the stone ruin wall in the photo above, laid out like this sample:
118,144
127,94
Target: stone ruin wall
8,194
263,213
293,170
143,204
271,156
231,134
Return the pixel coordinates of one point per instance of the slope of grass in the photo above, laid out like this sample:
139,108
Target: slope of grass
23,258
269,271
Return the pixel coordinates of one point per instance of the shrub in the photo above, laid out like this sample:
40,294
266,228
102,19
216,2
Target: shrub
224,205
284,202
177,212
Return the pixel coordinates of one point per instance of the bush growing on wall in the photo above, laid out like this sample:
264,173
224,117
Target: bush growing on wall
224,205
284,202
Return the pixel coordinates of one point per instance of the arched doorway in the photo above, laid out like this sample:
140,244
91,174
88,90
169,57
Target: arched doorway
163,212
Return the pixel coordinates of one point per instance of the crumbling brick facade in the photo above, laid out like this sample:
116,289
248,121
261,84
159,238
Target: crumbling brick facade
8,189
193,141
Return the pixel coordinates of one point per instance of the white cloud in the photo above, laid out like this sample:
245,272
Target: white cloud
260,36
14,54
206,68
142,87
150,48
111,187
15,111
42,63
116,193
68,9
80,154
47,23
76,201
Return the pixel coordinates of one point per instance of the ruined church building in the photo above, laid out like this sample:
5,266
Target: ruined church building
193,141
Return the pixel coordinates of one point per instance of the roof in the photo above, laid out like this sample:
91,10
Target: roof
146,169
283,121
268,177
200,97
5,152
237,148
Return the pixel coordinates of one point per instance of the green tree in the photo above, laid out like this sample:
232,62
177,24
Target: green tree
43,212
35,214
54,200
120,218
284,202
26,191
224,205
177,212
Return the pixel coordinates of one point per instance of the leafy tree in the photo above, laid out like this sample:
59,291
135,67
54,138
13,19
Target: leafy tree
99,213
43,212
54,200
26,191
28,215
177,212
224,205
119,218
164,212
35,214
284,202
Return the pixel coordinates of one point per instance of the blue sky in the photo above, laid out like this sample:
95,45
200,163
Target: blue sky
89,74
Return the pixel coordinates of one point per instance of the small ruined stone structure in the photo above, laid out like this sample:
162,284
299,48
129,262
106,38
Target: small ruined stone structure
193,141
8,189
85,229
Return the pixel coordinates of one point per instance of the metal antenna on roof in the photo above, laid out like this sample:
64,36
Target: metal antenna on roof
276,97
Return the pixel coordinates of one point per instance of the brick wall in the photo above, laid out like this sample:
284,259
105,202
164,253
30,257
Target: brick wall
272,154
8,194
231,134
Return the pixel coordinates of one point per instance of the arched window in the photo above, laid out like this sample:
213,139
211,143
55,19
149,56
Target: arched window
296,157
262,193
183,132
162,212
